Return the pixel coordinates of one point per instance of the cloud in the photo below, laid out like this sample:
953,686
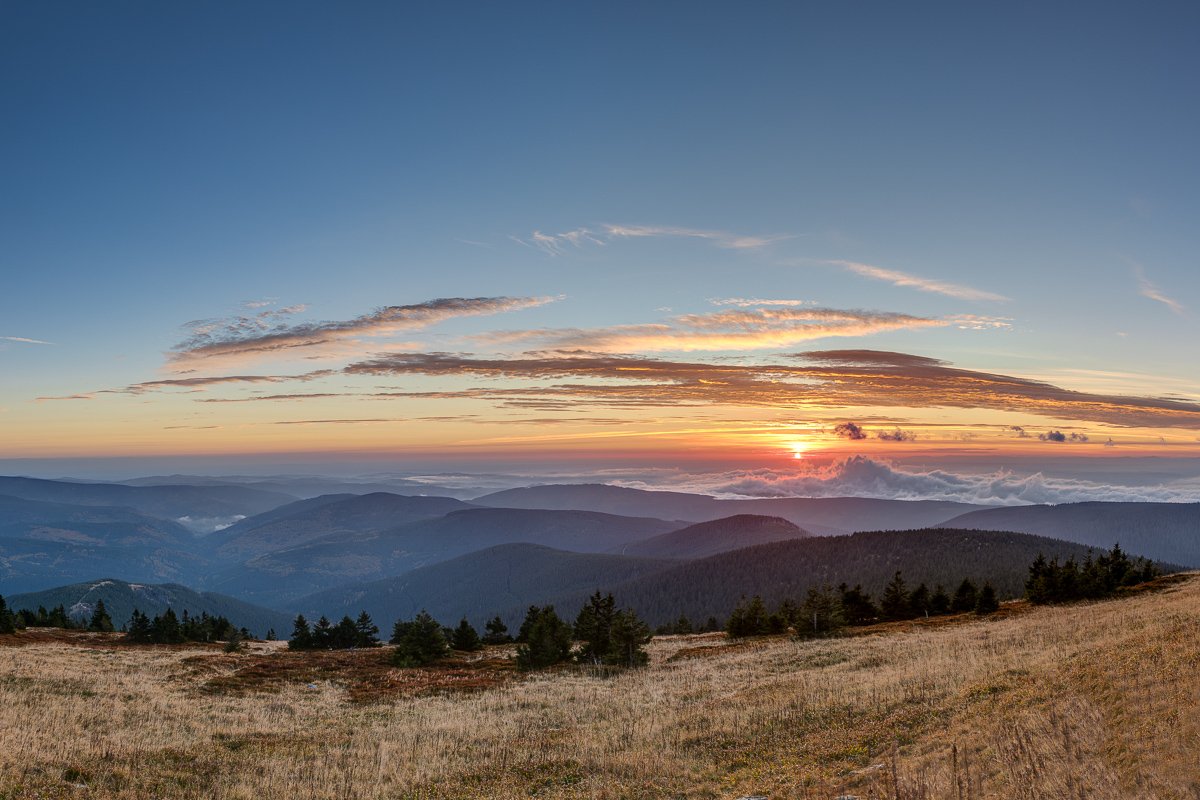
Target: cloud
1149,290
897,278
724,239
23,340
263,335
825,379
557,244
80,396
747,302
1059,436
258,397
201,383
896,435
862,476
848,430
727,329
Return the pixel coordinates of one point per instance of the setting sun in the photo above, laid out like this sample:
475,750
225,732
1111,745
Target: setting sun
798,448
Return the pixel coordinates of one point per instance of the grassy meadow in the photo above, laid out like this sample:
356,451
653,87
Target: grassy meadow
1092,701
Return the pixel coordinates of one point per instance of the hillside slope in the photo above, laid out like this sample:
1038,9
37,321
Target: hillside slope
308,520
482,584
1162,531
718,536
121,598
278,577
823,515
712,586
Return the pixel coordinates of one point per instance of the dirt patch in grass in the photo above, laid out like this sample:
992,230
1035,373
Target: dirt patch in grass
367,675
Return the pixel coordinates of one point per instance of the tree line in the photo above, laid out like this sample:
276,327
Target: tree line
1094,579
826,610
607,636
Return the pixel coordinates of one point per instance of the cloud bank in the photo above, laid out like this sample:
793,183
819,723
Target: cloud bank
861,476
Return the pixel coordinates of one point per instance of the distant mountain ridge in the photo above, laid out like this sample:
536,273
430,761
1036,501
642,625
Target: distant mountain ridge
1163,531
832,515
122,597
280,576
717,536
483,583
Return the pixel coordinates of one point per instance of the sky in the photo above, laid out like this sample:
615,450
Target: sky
798,240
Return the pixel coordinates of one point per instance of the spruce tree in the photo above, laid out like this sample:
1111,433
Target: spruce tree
894,603
965,597
987,603
465,638
322,634
547,639
8,623
593,627
138,629
301,635
166,629
918,602
857,608
627,640
496,632
100,620
366,632
418,641
939,602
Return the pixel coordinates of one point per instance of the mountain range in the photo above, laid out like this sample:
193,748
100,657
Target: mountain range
663,551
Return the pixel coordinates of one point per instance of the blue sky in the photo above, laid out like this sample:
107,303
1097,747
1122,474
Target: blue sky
171,163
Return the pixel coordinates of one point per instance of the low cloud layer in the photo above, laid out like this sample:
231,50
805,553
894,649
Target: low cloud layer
861,476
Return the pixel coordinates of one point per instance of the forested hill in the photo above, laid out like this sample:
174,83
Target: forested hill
1165,531
482,584
713,586
820,515
121,598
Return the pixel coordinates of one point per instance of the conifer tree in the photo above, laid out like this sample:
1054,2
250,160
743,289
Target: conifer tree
465,638
100,619
894,602
166,629
593,627
918,602
366,632
139,629
966,596
8,623
418,641
496,632
547,639
939,601
857,608
322,634
683,625
301,635
627,640
987,603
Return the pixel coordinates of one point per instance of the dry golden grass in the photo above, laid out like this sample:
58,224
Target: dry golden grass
1094,701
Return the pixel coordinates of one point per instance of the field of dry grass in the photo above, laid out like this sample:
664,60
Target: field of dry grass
1094,701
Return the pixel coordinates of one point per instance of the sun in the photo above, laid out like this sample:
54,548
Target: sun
798,448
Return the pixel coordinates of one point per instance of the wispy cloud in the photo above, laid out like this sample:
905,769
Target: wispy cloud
733,241
739,328
751,302
898,278
79,396
262,335
821,380
557,244
23,340
1149,290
